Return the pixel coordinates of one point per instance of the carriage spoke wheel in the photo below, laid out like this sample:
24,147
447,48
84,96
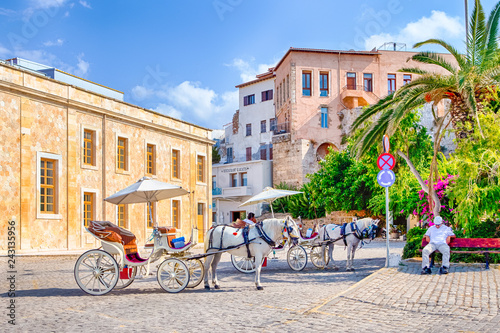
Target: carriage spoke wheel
243,264
297,258
173,275
96,272
318,257
125,279
196,272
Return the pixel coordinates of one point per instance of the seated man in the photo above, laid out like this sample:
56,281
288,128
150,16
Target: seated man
439,237
250,220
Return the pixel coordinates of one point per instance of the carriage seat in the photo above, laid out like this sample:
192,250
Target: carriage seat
110,232
313,235
170,232
135,257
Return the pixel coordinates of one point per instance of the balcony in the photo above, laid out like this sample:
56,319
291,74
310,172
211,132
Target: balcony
354,96
216,191
281,128
232,192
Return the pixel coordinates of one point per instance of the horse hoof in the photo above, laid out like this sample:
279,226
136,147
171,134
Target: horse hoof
260,288
216,286
207,287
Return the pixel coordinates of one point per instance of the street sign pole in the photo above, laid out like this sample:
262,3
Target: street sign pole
387,224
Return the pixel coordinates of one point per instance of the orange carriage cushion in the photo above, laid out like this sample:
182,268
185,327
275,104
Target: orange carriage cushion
170,231
110,232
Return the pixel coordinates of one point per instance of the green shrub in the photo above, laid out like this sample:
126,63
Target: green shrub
413,241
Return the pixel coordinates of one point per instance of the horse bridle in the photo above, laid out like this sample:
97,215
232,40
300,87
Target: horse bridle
288,228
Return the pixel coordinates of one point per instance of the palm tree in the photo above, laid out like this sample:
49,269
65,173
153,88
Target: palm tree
465,85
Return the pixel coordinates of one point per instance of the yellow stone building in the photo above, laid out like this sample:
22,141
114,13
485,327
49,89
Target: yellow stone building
63,149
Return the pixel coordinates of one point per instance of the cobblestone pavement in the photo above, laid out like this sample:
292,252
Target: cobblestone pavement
369,299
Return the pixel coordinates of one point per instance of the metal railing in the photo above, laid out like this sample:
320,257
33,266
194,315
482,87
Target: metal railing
282,128
217,191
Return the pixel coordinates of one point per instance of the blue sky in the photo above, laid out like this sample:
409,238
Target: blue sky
183,58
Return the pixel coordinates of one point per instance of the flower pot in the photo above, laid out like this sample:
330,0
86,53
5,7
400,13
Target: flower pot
394,235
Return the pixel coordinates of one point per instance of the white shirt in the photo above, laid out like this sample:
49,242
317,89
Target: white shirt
248,221
438,236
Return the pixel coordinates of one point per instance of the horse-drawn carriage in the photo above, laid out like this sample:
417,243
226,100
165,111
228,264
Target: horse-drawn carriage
296,254
99,271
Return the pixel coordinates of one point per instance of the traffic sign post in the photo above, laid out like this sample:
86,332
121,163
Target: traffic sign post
386,178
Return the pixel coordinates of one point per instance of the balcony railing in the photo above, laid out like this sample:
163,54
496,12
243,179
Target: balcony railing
282,128
216,191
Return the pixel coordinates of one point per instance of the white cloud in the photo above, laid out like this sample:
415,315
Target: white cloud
57,42
248,69
4,52
7,12
82,67
47,3
168,110
191,102
437,25
85,4
140,93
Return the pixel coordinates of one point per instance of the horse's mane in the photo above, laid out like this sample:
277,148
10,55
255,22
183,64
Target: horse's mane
365,222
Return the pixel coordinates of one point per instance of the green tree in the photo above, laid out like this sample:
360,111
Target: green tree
466,84
215,155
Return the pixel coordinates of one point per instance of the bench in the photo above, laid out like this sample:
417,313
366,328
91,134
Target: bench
481,245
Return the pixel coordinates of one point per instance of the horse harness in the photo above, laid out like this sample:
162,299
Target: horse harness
246,240
343,234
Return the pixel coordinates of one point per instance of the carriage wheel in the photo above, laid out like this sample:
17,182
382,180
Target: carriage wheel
317,257
297,258
243,264
196,272
96,272
127,281
173,275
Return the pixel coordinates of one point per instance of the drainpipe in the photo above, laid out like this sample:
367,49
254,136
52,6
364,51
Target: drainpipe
338,81
103,167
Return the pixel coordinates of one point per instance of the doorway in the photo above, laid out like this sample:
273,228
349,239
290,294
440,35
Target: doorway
238,215
200,222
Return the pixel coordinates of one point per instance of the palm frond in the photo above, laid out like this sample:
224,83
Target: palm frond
454,52
476,38
382,104
413,70
491,35
434,59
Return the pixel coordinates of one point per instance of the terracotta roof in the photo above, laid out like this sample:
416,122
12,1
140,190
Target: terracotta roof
298,49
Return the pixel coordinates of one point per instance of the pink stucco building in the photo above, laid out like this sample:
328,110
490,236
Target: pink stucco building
318,95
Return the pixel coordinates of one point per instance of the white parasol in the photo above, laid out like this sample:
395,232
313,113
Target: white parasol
268,195
146,190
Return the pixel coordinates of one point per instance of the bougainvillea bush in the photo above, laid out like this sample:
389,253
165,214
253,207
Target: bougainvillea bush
424,211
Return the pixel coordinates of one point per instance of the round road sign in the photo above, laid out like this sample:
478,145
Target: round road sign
386,161
386,178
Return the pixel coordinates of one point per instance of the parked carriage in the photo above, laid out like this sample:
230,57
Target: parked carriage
114,265
296,255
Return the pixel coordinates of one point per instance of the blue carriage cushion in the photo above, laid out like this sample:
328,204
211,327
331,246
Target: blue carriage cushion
170,232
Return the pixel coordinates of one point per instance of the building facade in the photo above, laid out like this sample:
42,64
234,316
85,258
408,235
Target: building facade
64,149
246,150
319,93
235,183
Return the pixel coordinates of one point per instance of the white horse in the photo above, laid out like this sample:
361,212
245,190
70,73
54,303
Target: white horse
330,235
261,241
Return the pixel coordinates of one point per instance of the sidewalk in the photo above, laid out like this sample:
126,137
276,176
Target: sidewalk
400,300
